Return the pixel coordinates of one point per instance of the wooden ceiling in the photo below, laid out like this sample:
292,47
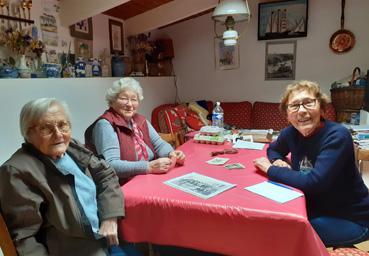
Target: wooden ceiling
134,7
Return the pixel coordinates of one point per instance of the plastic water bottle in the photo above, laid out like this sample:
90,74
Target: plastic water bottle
218,116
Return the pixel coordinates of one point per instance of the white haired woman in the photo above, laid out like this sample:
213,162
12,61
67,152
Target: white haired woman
125,139
56,197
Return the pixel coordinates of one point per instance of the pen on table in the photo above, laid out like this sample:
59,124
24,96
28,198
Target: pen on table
279,184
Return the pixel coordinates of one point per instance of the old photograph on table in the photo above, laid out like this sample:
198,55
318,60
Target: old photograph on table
280,59
199,185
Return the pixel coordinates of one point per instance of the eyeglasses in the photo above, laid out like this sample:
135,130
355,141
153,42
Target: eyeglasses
224,151
49,128
306,103
125,100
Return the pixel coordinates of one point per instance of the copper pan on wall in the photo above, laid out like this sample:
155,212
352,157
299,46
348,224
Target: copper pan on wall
342,40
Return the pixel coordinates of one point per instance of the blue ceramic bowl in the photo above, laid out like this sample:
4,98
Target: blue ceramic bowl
8,72
52,70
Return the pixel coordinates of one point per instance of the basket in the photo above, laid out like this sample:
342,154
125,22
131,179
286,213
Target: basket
347,98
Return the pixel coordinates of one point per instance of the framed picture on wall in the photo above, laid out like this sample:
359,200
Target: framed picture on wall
282,19
82,29
116,37
226,57
280,59
83,48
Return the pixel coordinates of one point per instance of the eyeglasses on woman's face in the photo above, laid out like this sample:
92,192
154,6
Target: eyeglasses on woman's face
306,103
45,129
125,100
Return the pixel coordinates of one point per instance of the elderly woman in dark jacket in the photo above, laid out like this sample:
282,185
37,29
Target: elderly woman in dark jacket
56,197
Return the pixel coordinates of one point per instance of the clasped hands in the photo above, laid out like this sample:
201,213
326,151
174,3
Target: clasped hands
263,163
165,164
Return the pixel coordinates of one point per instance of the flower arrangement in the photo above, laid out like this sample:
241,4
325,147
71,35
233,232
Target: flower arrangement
141,43
21,43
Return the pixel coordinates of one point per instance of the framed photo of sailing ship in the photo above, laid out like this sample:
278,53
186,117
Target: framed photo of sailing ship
280,60
282,19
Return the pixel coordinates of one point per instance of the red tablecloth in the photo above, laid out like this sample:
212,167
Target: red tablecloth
235,222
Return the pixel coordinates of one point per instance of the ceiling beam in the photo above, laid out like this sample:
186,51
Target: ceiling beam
72,11
166,14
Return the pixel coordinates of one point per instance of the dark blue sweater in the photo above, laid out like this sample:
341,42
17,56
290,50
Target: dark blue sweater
323,167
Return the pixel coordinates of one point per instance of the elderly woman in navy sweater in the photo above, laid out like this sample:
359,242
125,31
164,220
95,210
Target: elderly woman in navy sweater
126,139
322,166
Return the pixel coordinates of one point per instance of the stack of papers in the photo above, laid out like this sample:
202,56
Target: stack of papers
248,145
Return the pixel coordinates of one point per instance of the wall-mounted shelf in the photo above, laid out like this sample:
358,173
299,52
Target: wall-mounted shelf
6,17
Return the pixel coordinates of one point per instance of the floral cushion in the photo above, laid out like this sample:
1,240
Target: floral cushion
172,120
202,113
157,117
194,121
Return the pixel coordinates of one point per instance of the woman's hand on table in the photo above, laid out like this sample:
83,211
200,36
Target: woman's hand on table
109,229
161,165
262,164
281,163
177,156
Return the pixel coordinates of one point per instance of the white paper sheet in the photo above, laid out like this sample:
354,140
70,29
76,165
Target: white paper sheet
275,191
248,145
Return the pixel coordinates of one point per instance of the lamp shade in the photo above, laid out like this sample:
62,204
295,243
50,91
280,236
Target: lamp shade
238,9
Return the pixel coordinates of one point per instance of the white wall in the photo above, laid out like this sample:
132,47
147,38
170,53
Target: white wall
85,97
194,54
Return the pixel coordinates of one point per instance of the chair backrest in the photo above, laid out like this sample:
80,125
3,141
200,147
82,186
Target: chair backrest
266,115
155,115
172,138
6,242
238,114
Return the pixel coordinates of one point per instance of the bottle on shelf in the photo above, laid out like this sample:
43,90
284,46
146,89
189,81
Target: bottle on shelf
80,67
217,116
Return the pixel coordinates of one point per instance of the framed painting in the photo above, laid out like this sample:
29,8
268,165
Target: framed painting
280,59
282,19
226,57
116,37
83,48
82,29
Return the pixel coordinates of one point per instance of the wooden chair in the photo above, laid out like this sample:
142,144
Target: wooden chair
172,138
6,242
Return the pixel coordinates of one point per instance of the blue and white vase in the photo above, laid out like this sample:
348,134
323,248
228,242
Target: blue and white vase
52,70
80,67
23,70
96,68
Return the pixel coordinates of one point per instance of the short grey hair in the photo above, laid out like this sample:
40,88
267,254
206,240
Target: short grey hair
33,110
121,85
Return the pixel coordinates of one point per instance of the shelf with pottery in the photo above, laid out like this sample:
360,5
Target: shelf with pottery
8,17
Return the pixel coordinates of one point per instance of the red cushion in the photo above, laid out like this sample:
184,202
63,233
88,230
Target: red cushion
172,120
181,111
157,117
193,120
237,114
266,115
